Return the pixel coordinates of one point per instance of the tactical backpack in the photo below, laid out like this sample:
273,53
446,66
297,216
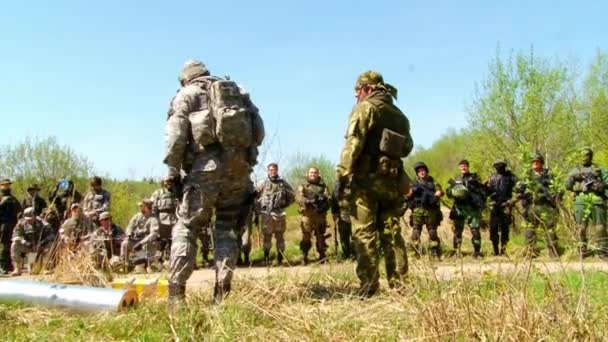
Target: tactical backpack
233,122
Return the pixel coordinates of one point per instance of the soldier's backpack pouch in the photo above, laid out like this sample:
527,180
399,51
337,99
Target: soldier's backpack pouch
393,144
202,124
233,122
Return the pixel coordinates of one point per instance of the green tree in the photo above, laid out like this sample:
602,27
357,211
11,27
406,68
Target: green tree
300,163
594,116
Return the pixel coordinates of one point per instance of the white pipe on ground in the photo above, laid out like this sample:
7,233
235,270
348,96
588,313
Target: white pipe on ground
73,297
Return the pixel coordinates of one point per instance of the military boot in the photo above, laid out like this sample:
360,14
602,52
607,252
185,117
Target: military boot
436,252
177,295
322,257
496,248
220,292
279,258
267,258
246,261
17,266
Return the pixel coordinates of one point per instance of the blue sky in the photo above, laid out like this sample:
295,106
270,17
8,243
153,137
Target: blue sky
99,75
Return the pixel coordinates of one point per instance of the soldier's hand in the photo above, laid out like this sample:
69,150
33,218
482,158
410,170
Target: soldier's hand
438,193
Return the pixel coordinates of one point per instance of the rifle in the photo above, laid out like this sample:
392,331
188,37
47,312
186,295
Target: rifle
336,219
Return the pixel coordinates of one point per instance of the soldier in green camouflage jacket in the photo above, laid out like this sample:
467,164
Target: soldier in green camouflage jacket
378,136
589,182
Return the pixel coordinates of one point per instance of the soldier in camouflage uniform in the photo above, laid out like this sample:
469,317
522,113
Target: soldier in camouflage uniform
538,199
341,216
9,213
212,135
313,199
424,200
164,206
33,199
142,234
275,194
589,182
31,235
377,138
105,242
97,200
500,187
468,193
77,228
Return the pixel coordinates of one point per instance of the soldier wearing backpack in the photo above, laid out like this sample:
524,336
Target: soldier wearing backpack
212,135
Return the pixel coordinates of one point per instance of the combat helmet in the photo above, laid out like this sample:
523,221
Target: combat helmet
192,69
419,165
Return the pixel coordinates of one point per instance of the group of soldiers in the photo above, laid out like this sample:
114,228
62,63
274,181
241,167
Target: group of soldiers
536,196
213,131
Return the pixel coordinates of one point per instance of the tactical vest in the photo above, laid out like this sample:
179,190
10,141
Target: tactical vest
539,191
317,193
31,231
424,194
275,194
140,227
476,196
166,202
501,187
592,181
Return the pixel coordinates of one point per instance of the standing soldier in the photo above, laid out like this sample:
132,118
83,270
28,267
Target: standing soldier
424,200
60,202
371,167
142,234
97,200
33,199
212,135
164,206
9,213
467,190
275,194
31,235
589,182
341,216
313,199
539,202
500,187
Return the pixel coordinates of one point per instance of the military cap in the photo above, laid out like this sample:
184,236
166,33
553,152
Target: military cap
193,69
33,187
419,165
5,181
145,202
538,157
499,162
464,162
28,212
74,206
586,151
104,215
369,78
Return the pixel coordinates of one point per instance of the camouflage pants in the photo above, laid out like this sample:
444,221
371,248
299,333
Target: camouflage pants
164,243
181,264
472,217
205,238
19,250
150,248
313,224
274,225
431,219
345,232
592,218
500,222
376,208
540,220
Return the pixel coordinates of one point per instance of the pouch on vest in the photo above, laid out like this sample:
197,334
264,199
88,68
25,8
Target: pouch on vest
203,124
393,144
233,122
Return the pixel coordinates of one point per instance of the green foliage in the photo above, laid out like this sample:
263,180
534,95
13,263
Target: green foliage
125,195
43,161
300,163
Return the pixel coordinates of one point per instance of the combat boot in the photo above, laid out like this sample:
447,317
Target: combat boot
246,261
436,252
497,251
220,292
279,258
177,295
17,266
305,259
267,258
322,257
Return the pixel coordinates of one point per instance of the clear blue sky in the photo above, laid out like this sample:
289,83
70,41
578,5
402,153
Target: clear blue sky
99,76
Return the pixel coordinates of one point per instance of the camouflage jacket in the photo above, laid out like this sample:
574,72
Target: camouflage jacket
38,233
164,205
536,189
274,196
313,198
369,118
37,202
589,180
340,205
76,228
143,229
96,203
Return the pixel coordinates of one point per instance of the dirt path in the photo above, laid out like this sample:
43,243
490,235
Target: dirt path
444,271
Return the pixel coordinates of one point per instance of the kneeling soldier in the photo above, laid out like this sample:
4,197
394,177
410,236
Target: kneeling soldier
31,235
